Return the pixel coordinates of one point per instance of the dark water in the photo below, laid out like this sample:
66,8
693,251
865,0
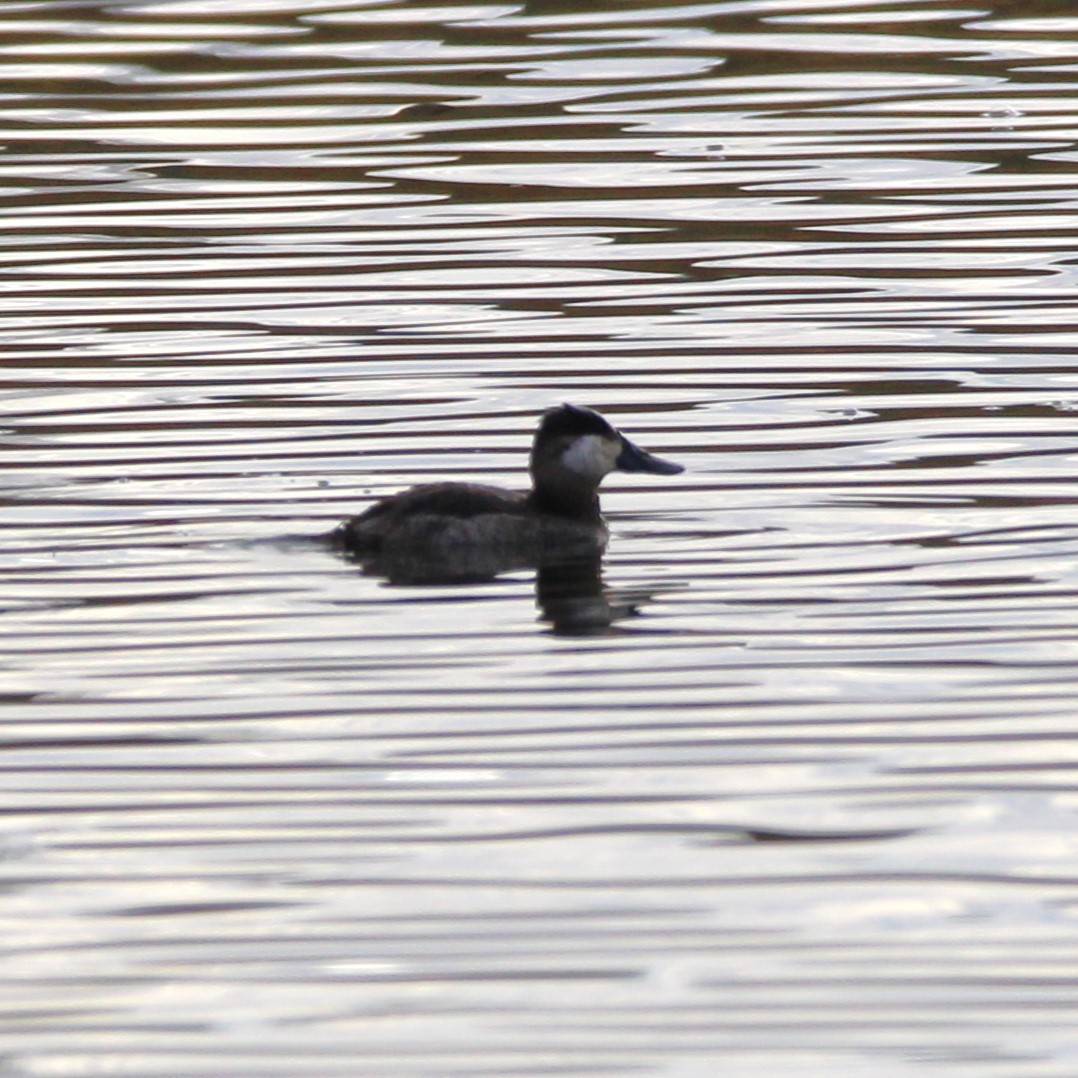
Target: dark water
807,806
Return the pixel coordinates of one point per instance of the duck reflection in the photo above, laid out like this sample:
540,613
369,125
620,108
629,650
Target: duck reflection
569,592
572,597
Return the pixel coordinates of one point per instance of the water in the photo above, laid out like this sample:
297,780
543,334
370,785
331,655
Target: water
798,798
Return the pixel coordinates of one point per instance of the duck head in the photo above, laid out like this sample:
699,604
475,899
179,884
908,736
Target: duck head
576,448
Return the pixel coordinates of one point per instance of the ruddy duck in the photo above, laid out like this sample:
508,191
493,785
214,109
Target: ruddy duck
479,527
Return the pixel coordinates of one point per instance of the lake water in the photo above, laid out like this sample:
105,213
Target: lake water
802,801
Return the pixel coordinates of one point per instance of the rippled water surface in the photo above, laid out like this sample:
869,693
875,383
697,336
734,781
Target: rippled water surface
798,797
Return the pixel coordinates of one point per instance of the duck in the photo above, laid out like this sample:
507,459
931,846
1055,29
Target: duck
460,530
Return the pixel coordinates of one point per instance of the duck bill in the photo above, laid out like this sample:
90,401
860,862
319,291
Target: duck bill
634,459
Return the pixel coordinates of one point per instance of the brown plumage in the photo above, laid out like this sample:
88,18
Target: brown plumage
439,524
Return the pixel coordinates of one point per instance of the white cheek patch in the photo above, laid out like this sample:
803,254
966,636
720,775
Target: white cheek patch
591,457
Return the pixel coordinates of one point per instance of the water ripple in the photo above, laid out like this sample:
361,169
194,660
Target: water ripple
801,801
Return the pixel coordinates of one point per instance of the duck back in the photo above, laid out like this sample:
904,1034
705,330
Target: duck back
436,516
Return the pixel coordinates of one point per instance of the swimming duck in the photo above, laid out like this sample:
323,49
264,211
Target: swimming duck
474,526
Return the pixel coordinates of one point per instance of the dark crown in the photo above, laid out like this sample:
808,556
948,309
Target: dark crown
571,421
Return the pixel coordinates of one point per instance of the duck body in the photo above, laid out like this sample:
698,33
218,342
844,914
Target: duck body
446,518
474,526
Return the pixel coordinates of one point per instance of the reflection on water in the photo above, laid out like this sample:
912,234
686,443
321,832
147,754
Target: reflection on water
572,598
568,592
785,785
